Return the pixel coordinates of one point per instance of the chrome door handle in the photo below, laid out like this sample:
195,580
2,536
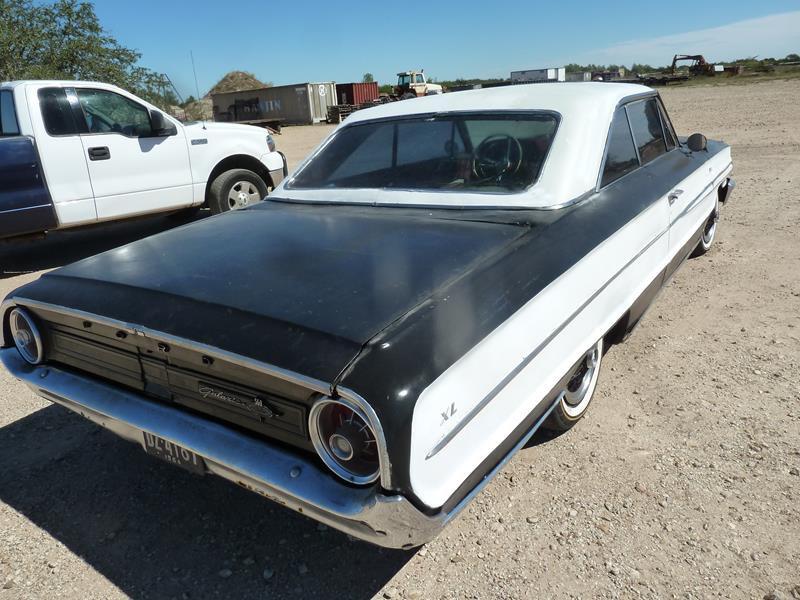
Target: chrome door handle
673,195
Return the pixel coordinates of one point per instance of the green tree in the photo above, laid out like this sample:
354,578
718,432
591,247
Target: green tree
368,78
65,40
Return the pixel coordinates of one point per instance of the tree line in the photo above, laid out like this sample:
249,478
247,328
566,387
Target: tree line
65,40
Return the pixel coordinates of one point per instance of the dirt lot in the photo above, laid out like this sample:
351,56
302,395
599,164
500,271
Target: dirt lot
683,481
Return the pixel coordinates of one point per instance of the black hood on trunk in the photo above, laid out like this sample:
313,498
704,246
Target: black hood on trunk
299,287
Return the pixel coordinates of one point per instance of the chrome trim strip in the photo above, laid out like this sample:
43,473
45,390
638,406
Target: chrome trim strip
375,423
448,437
295,481
11,210
133,329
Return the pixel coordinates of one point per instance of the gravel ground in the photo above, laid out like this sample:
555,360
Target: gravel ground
683,481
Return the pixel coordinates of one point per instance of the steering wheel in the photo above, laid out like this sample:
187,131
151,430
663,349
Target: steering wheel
496,156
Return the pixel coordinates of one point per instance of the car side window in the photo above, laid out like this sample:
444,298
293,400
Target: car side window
8,116
646,127
669,131
57,112
418,78
621,153
109,112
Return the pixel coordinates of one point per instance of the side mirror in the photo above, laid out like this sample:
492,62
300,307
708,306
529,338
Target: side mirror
160,126
697,142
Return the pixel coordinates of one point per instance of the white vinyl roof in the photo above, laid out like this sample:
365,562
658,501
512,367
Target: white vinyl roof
572,165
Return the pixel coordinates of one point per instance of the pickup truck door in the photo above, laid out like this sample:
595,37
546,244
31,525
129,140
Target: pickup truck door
132,171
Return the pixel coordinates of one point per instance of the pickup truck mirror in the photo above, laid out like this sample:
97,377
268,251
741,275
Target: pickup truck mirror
697,142
160,125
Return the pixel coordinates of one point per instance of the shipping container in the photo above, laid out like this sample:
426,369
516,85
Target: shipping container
538,75
579,76
357,93
298,104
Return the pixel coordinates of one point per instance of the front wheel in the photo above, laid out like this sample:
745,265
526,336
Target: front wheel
236,189
574,399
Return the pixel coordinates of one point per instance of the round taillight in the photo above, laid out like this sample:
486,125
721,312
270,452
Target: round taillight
344,440
26,336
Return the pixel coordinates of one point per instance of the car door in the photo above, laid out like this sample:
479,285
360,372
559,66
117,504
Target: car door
57,126
132,171
674,172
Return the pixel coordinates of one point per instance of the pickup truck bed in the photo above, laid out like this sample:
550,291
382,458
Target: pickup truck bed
25,203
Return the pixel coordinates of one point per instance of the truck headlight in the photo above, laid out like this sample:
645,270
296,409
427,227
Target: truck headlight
344,440
26,336
270,143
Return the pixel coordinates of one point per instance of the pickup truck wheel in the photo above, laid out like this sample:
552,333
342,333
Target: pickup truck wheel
709,233
577,394
236,189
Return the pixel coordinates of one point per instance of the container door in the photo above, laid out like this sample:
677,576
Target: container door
323,95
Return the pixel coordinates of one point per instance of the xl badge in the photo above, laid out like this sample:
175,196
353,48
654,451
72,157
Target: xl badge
250,403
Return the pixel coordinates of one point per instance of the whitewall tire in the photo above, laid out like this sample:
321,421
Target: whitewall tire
574,399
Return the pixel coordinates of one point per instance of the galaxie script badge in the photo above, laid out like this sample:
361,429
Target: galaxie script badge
253,404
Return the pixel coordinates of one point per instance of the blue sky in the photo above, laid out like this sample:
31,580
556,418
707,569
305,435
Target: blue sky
286,42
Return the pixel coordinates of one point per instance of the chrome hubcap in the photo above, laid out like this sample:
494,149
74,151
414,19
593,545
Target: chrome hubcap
243,194
582,379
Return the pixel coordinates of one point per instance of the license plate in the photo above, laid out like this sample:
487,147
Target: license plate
174,454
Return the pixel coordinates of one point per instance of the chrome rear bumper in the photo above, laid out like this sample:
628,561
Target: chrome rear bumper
300,484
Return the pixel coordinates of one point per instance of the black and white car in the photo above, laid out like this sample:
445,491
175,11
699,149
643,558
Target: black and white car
438,280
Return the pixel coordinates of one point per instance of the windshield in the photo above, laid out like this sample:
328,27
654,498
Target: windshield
483,152
403,79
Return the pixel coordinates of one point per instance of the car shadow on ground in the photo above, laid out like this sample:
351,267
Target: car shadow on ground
156,531
60,248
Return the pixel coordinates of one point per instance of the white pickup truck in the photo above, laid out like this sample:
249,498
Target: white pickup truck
74,153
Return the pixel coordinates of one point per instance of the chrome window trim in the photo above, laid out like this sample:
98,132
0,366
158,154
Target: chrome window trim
426,117
624,104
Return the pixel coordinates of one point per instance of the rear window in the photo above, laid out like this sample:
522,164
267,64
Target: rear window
57,112
498,153
646,127
8,116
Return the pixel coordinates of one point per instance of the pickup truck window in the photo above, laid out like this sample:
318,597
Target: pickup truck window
8,117
108,112
57,112
646,127
621,153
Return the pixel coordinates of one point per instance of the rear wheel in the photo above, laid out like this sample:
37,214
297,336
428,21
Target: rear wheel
576,396
236,189
709,233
